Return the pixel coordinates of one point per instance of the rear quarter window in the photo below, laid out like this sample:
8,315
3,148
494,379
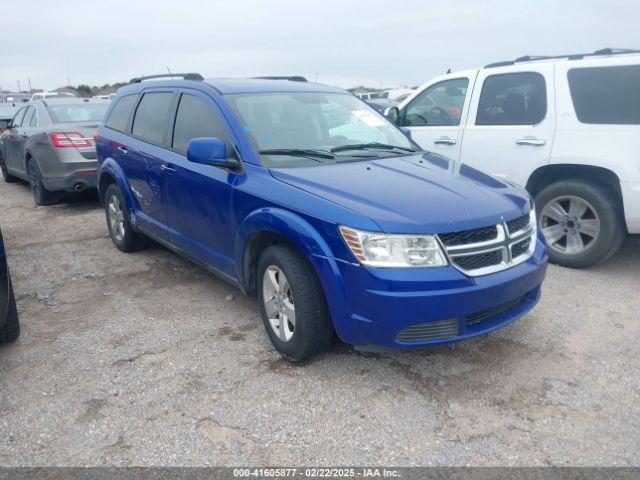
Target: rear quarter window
606,95
121,112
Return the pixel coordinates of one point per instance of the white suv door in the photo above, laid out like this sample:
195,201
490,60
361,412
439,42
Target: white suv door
510,128
434,116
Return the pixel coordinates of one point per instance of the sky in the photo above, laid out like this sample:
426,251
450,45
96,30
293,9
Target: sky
340,42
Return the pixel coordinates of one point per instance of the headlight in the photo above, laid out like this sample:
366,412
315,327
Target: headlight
382,250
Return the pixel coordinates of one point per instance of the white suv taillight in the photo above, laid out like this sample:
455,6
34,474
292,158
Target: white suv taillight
69,139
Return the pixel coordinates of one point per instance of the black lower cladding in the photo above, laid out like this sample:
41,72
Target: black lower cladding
420,332
448,327
478,317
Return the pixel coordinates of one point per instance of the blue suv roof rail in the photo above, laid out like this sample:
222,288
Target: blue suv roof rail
293,78
186,76
574,56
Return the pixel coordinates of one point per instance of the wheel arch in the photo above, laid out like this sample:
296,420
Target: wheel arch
110,172
550,174
269,226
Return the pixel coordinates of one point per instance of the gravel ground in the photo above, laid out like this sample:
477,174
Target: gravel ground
145,359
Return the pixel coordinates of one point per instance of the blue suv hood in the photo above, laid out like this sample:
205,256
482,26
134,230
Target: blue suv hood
413,194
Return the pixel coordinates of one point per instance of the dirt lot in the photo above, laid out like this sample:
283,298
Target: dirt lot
145,359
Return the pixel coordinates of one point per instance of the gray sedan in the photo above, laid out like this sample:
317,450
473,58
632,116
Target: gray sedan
49,143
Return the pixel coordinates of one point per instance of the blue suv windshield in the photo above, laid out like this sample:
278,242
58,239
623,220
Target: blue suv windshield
300,129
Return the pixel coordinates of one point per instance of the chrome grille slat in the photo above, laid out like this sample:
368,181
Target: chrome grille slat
512,244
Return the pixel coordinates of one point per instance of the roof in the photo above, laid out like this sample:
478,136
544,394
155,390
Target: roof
257,85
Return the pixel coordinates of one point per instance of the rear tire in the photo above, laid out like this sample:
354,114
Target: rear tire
301,297
41,196
11,329
120,230
580,221
8,178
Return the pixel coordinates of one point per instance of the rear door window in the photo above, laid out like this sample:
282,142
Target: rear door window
29,116
17,120
512,99
121,112
150,121
606,95
195,118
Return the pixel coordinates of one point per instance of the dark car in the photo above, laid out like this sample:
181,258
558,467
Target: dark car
9,325
303,195
50,144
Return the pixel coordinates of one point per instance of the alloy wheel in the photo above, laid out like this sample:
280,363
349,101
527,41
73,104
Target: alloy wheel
570,224
278,303
116,217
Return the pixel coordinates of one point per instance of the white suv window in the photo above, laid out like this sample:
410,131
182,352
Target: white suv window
512,99
439,105
606,95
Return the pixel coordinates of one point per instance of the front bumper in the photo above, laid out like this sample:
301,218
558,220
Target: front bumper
390,307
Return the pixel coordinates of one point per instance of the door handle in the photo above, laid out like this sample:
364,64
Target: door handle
123,150
445,141
536,142
166,168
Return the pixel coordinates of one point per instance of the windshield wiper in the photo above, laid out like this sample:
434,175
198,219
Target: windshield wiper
372,145
299,152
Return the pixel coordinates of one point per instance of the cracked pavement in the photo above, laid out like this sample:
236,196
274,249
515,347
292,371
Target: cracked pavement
146,359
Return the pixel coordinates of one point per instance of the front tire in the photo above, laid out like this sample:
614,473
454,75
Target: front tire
120,230
294,309
11,329
580,222
41,196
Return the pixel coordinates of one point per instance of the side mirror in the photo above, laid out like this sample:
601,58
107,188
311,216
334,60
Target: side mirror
393,114
210,151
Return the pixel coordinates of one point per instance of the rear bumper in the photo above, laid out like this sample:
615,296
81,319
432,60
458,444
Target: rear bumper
416,307
631,200
68,176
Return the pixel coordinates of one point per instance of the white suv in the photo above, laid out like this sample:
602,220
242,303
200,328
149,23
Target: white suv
567,128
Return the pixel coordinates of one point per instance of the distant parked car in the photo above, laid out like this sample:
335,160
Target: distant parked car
109,96
7,112
302,195
9,323
45,95
50,144
566,127
393,95
15,98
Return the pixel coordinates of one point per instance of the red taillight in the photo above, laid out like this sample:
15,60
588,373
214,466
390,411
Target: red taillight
69,139
95,138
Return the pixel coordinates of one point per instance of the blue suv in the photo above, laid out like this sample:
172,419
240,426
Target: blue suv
304,196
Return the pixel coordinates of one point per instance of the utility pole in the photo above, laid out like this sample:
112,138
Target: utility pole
18,85
30,87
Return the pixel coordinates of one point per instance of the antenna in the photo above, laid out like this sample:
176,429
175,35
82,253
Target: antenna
170,74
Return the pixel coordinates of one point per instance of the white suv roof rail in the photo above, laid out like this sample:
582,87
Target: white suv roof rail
574,56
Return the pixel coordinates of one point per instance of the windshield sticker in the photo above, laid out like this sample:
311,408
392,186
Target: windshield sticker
369,118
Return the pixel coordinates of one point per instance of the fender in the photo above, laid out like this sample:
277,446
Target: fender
110,167
305,237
